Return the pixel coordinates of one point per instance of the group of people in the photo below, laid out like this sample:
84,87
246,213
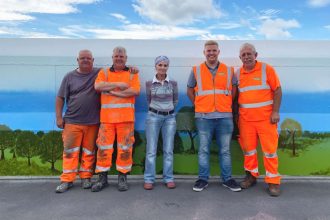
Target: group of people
100,109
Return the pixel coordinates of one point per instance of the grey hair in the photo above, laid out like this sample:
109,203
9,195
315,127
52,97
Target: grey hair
85,50
119,49
248,45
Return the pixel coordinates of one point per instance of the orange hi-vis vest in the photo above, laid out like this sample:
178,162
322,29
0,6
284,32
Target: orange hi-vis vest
117,109
255,95
213,93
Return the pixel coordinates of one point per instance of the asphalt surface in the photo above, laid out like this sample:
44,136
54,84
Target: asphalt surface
35,199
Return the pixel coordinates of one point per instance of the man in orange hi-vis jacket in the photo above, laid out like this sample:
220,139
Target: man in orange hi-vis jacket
118,87
259,101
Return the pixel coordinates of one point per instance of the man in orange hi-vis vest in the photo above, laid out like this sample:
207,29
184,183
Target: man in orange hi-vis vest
259,101
118,87
211,87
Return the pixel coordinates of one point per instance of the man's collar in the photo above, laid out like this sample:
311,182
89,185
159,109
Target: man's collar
112,69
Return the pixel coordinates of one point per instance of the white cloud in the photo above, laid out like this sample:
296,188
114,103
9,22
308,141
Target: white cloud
214,37
225,26
277,28
18,10
136,31
177,12
120,17
318,3
25,34
268,14
327,27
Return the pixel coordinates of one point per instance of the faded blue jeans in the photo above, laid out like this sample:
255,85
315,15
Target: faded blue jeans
167,125
223,129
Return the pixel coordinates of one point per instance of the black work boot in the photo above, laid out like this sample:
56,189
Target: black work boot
248,181
101,182
122,182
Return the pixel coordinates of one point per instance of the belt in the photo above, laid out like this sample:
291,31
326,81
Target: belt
160,112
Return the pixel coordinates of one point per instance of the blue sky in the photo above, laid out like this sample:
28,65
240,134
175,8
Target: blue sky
166,19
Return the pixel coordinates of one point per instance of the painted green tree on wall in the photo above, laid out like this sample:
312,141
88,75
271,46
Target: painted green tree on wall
28,145
290,131
5,139
185,120
51,148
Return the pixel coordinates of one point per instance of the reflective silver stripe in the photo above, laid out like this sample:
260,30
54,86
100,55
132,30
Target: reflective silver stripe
124,147
238,72
122,105
273,155
128,168
70,171
249,88
105,147
198,77
84,170
256,105
263,74
252,171
88,152
250,153
211,92
103,169
71,150
272,175
105,73
228,81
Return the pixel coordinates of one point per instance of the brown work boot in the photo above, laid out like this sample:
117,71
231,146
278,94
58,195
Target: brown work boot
274,189
248,181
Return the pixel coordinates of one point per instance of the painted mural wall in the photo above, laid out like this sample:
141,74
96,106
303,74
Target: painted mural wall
31,71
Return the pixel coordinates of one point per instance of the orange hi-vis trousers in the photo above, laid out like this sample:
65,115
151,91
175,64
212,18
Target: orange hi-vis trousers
78,138
125,141
267,133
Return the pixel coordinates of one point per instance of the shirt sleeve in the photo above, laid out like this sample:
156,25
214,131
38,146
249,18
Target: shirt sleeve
148,91
272,78
191,80
100,76
175,94
135,83
63,90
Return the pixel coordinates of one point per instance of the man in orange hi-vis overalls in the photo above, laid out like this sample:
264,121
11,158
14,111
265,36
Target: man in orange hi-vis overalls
259,101
118,87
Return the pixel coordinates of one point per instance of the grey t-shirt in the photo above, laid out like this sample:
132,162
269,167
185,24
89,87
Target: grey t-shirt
82,101
212,115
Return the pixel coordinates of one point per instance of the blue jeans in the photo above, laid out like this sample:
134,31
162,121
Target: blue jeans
167,124
223,129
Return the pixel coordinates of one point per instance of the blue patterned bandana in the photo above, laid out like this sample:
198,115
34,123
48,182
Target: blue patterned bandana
162,58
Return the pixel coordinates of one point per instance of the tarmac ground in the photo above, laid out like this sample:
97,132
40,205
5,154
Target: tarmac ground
35,198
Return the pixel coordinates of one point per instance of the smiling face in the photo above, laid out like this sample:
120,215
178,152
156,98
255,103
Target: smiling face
85,61
119,59
248,57
161,68
211,53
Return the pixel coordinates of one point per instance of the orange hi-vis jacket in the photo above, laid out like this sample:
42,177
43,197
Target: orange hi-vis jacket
256,92
117,109
213,93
